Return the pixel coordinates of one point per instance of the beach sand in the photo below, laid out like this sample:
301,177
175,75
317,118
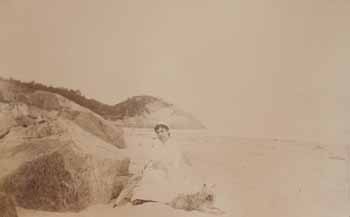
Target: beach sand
253,177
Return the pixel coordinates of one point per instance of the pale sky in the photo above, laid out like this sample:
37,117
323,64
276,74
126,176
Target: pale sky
261,68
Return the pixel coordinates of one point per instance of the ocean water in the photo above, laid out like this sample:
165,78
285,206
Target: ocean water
268,176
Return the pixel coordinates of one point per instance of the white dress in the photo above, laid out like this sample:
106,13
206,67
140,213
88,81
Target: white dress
165,175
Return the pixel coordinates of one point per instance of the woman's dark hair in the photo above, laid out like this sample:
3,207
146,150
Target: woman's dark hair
161,126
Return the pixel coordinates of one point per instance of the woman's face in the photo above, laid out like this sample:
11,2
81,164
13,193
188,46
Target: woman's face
162,134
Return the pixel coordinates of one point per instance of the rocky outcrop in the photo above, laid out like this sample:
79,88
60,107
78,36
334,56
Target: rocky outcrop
68,169
7,206
39,106
56,155
99,127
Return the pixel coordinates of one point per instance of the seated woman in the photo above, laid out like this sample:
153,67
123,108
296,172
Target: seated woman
167,177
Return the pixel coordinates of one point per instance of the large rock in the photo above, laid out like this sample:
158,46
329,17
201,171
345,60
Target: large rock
58,166
83,117
40,106
56,155
98,127
7,206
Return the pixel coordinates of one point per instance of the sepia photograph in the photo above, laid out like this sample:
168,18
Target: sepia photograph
174,108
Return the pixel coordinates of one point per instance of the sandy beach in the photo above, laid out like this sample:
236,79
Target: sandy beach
256,93
253,177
